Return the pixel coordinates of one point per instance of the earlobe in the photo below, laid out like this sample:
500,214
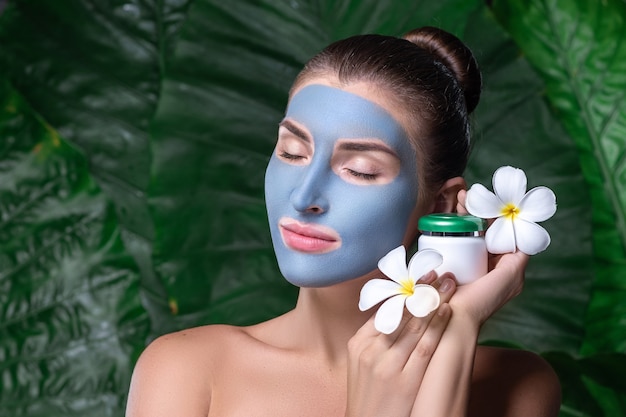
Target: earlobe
446,198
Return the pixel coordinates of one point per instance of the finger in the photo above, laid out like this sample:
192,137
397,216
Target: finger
442,278
412,325
506,267
408,338
397,352
419,358
514,261
446,289
460,205
366,339
385,341
409,334
369,346
509,273
368,330
428,278
488,294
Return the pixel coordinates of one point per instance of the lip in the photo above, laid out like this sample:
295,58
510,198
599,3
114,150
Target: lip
308,237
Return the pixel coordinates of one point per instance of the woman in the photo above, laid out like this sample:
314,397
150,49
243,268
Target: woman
376,134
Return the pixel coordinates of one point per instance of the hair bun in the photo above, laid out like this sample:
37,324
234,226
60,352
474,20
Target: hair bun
455,55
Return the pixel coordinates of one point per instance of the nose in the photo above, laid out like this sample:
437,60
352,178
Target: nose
308,196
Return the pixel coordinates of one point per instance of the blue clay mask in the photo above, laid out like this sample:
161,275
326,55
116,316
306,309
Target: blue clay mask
340,187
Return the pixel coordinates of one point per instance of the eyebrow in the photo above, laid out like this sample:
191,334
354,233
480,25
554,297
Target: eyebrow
365,146
297,131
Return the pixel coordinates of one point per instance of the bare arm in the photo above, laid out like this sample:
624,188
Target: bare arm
446,388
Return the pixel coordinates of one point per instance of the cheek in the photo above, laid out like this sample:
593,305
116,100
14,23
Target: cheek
277,182
378,210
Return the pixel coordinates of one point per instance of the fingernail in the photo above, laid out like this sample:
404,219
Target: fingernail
428,278
446,285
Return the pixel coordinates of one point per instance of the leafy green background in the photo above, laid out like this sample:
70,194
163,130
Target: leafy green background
133,142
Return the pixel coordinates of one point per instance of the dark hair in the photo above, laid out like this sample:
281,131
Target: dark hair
431,74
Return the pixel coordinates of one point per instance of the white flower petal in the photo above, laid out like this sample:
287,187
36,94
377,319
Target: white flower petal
423,262
500,236
509,184
376,290
389,314
538,204
393,264
481,202
531,238
424,300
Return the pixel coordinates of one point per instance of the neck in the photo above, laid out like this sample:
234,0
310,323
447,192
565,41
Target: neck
324,319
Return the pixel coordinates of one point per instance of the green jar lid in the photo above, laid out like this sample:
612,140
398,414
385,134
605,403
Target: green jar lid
451,223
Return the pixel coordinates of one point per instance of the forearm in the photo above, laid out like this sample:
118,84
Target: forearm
445,389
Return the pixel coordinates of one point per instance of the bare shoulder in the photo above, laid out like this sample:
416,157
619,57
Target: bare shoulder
196,340
173,375
511,383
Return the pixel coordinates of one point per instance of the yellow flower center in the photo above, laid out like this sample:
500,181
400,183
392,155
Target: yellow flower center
510,211
406,287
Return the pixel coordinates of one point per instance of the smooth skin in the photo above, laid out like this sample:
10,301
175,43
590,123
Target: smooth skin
324,358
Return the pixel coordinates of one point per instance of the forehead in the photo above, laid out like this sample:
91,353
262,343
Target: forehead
329,110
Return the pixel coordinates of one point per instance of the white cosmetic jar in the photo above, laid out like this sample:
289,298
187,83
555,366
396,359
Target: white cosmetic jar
460,239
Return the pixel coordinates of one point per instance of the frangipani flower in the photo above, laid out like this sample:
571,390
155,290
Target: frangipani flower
420,299
516,212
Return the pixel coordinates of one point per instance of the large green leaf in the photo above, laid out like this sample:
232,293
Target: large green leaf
92,70
70,318
65,59
578,47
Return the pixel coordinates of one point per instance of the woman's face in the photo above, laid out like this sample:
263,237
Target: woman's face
340,187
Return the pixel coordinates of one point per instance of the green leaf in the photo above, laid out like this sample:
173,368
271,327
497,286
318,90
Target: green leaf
592,386
578,48
70,318
93,70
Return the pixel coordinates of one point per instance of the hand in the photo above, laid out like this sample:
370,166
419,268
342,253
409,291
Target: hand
505,280
385,371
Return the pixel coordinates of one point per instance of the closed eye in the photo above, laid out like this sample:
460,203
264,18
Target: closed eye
290,157
367,161
361,175
294,145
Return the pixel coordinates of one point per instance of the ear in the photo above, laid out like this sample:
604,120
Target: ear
446,198
445,202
